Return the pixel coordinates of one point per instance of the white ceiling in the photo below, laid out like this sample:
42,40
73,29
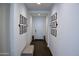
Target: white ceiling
41,7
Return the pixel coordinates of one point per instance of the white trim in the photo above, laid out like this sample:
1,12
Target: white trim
4,54
47,45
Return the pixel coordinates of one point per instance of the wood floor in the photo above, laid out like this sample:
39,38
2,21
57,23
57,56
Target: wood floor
40,48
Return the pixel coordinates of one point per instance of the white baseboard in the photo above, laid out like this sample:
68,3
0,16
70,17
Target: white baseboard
49,48
47,45
4,54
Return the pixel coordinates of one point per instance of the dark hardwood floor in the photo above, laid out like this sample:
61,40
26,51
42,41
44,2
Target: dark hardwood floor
40,48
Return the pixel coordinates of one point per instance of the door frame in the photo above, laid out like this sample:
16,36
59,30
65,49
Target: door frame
33,35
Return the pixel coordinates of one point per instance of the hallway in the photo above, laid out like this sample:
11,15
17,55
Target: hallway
57,22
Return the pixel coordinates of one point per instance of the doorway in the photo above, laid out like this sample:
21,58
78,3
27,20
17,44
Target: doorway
39,27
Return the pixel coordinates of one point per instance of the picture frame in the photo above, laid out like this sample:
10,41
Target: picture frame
22,24
24,20
54,16
20,19
53,24
54,32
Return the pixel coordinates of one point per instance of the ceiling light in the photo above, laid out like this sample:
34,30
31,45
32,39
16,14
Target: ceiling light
38,3
39,14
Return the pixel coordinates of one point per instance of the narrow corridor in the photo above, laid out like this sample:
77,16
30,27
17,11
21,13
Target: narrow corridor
54,27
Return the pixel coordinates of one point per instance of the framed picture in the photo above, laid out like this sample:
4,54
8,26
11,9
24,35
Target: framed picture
24,20
20,19
25,28
54,32
23,24
21,29
54,16
53,24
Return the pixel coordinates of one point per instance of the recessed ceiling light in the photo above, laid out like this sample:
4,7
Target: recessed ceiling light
38,3
38,14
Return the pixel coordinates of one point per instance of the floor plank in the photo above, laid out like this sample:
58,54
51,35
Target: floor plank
40,48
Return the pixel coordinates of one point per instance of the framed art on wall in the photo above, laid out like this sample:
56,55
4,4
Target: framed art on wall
54,16
53,24
54,32
23,24
20,19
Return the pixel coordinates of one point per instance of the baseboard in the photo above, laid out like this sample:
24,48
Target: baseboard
50,50
4,54
39,39
47,45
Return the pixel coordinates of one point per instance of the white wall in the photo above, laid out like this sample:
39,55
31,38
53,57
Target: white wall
4,29
19,41
67,41
47,29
